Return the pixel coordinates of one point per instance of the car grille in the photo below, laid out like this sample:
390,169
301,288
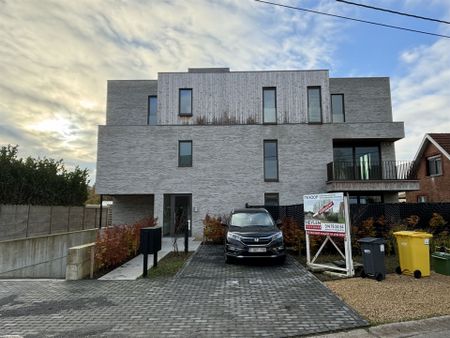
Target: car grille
260,240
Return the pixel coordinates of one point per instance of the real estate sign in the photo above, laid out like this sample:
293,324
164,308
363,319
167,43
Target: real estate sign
325,214
328,215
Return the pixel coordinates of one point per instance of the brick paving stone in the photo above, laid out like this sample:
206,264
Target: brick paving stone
208,298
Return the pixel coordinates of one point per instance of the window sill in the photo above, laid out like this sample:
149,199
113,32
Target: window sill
272,180
185,115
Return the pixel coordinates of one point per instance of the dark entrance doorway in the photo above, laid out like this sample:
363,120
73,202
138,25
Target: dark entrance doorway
177,214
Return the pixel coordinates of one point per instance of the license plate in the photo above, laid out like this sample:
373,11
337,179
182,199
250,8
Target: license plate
257,250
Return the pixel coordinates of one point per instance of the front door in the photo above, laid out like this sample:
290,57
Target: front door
181,214
177,213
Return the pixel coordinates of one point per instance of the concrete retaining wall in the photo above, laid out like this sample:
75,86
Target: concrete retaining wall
41,256
21,221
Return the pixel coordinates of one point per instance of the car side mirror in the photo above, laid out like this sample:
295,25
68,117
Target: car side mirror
279,222
224,224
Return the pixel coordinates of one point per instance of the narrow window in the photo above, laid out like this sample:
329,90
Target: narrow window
434,165
314,105
337,107
271,199
185,153
270,160
152,108
270,105
185,102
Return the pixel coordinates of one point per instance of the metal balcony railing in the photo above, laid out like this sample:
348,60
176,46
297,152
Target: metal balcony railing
361,171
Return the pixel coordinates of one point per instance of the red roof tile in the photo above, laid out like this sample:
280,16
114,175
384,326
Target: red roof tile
443,139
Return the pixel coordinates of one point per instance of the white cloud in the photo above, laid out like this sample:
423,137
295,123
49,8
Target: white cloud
421,98
55,58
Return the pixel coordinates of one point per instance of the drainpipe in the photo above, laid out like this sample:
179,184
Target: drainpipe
101,211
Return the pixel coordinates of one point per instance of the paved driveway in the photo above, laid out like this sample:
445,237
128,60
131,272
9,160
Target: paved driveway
206,299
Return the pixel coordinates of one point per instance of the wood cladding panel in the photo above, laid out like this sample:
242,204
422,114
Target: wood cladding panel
236,97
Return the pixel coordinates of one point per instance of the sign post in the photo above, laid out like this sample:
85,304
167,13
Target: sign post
328,215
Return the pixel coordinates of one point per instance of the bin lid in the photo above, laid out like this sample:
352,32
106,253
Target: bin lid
420,234
441,255
373,240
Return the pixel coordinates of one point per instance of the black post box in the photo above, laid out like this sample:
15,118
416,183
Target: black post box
150,240
150,243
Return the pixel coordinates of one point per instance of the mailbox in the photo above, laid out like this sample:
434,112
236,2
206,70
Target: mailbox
150,240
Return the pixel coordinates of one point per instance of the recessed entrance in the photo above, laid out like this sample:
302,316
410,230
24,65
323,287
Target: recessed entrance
177,214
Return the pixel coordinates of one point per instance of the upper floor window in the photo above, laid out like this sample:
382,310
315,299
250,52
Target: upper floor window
185,153
270,105
185,102
434,165
270,160
152,109
314,105
337,107
272,199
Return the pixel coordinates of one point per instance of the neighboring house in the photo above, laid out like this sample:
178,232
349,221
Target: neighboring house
433,169
210,140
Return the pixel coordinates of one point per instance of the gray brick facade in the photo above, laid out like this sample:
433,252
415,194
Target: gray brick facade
227,171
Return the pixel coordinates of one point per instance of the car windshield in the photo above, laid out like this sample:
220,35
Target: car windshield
243,219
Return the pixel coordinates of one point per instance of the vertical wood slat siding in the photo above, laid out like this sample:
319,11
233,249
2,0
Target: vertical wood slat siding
239,95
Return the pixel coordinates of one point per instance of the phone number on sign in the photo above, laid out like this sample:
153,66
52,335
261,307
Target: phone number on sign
333,227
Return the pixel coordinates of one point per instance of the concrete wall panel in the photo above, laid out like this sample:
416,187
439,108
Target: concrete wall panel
42,256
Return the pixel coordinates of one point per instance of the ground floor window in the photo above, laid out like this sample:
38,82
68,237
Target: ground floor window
366,199
272,199
421,199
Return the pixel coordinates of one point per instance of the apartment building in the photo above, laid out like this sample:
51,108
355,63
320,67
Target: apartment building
209,140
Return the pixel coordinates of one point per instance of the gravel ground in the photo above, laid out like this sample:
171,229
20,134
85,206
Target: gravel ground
397,298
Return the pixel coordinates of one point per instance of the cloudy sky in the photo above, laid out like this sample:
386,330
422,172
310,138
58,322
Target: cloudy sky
56,56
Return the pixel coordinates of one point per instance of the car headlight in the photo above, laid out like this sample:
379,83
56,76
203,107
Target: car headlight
278,235
231,235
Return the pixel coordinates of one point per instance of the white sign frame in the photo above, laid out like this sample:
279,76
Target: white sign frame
349,270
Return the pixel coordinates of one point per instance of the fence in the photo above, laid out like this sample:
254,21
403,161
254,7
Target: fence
22,221
394,213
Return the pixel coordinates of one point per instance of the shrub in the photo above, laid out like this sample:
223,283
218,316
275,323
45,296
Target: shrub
116,244
366,229
293,234
213,230
441,239
412,221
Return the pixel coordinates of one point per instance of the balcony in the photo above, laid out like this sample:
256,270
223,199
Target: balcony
365,176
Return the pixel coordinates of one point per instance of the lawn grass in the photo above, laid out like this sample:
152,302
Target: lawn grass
169,265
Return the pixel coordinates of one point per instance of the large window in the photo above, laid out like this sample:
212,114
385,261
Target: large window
152,109
185,153
314,105
270,160
337,107
270,105
434,165
357,162
272,199
185,102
